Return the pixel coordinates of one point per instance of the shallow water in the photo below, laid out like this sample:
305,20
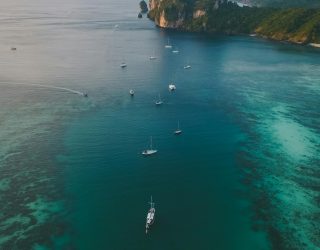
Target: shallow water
243,175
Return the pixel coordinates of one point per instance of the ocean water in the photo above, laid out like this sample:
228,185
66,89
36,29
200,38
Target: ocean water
244,174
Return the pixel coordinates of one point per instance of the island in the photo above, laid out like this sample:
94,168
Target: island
298,25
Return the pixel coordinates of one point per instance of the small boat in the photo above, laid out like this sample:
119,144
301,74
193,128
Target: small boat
168,45
172,87
85,94
139,15
176,51
131,92
150,215
13,48
123,65
178,131
187,67
159,102
150,151
153,57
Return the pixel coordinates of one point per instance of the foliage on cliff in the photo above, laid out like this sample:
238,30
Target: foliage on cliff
287,3
295,25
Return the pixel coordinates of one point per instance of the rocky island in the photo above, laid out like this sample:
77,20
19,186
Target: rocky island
296,25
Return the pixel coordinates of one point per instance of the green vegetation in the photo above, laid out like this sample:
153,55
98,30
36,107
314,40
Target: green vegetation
287,3
296,25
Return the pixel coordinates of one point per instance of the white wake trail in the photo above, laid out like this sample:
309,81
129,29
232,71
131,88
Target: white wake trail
45,86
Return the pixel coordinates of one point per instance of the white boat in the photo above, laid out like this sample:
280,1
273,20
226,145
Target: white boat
150,216
159,102
178,131
153,57
187,67
176,51
168,45
172,87
150,151
123,65
131,92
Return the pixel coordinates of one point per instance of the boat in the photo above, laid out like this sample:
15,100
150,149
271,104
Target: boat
187,67
85,94
123,65
13,48
176,51
150,151
178,131
172,87
153,57
168,45
159,102
131,92
139,15
150,216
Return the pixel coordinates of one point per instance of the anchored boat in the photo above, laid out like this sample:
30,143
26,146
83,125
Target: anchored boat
150,215
150,151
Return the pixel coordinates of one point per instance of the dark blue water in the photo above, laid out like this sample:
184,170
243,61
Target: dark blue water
243,174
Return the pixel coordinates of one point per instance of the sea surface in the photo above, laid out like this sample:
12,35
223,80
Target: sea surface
244,174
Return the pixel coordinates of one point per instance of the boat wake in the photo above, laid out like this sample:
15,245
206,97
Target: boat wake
46,86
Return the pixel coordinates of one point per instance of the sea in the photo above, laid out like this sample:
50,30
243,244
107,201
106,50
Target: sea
244,174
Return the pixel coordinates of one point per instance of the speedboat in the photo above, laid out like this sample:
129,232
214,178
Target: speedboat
172,87
123,65
150,216
152,58
85,95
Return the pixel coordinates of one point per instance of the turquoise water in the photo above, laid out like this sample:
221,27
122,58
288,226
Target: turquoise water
243,175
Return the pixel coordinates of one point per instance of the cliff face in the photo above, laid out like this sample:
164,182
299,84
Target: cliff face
167,13
221,16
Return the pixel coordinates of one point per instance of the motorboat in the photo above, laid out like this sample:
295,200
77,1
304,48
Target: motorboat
172,87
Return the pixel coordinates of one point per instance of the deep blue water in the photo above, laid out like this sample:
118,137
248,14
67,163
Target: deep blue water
243,174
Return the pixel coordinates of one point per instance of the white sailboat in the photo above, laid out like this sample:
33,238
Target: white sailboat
159,102
175,51
153,56
150,216
150,151
168,45
178,131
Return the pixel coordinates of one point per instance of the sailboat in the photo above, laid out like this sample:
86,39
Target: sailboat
168,46
153,57
150,215
178,131
148,152
159,102
175,51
